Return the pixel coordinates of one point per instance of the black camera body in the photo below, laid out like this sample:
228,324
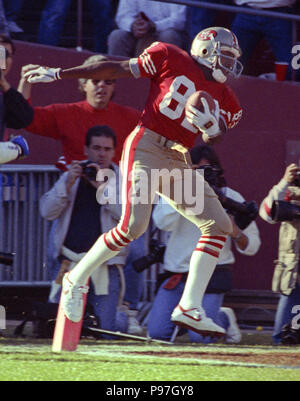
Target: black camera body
284,211
296,182
89,172
243,212
156,255
7,258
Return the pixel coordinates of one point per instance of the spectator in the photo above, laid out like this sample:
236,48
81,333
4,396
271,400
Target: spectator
141,22
3,22
55,13
200,18
15,112
12,10
183,238
69,122
80,219
278,32
286,273
134,285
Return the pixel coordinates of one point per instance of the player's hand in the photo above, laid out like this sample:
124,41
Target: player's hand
207,122
291,173
26,68
43,74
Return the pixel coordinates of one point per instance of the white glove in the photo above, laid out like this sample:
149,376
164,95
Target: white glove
43,74
206,121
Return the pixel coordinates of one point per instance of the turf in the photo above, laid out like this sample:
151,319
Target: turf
32,360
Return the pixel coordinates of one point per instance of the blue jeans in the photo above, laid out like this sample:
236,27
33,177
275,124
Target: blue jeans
102,15
52,21
12,9
54,15
159,322
104,306
201,18
249,29
134,281
284,312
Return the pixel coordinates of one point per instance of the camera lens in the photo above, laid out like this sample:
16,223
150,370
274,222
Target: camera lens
89,172
6,258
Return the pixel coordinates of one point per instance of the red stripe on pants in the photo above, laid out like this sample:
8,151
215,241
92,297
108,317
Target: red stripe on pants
128,160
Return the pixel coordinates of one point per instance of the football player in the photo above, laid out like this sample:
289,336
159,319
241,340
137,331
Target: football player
160,142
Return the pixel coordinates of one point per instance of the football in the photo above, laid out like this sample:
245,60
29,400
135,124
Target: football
195,100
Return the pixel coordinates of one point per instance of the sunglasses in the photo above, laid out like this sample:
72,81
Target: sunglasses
106,81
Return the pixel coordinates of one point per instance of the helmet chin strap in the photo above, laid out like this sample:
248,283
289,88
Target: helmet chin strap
218,75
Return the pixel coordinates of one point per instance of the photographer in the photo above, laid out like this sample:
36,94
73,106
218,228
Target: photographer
286,273
183,238
79,220
15,112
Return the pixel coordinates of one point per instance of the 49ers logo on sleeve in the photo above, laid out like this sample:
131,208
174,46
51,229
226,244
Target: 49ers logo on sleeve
231,119
207,35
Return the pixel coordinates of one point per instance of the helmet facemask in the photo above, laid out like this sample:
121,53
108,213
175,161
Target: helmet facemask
220,57
226,61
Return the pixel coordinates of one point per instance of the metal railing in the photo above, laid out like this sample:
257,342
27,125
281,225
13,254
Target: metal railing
23,231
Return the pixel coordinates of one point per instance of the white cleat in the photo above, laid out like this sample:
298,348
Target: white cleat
233,333
196,320
72,300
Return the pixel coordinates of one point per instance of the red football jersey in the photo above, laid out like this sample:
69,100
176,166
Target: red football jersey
174,77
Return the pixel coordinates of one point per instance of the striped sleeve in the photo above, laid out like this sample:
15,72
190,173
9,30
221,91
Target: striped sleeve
149,62
278,192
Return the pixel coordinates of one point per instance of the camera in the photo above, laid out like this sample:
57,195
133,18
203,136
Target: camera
7,258
156,255
296,182
211,175
284,211
243,212
89,172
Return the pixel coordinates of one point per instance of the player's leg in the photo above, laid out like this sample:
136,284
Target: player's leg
137,196
214,224
211,304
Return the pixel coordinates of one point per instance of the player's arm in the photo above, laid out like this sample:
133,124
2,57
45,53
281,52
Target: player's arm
100,70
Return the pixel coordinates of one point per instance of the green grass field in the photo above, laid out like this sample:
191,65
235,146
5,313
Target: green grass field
27,359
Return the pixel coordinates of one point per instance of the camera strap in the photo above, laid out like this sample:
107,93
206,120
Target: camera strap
174,280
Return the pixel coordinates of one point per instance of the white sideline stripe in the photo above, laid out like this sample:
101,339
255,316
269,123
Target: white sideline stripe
213,362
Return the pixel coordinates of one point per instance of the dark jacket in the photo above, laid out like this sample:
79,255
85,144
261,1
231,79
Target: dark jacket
15,111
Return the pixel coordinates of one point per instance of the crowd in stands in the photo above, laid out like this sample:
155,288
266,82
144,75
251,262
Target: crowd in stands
93,132
125,28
